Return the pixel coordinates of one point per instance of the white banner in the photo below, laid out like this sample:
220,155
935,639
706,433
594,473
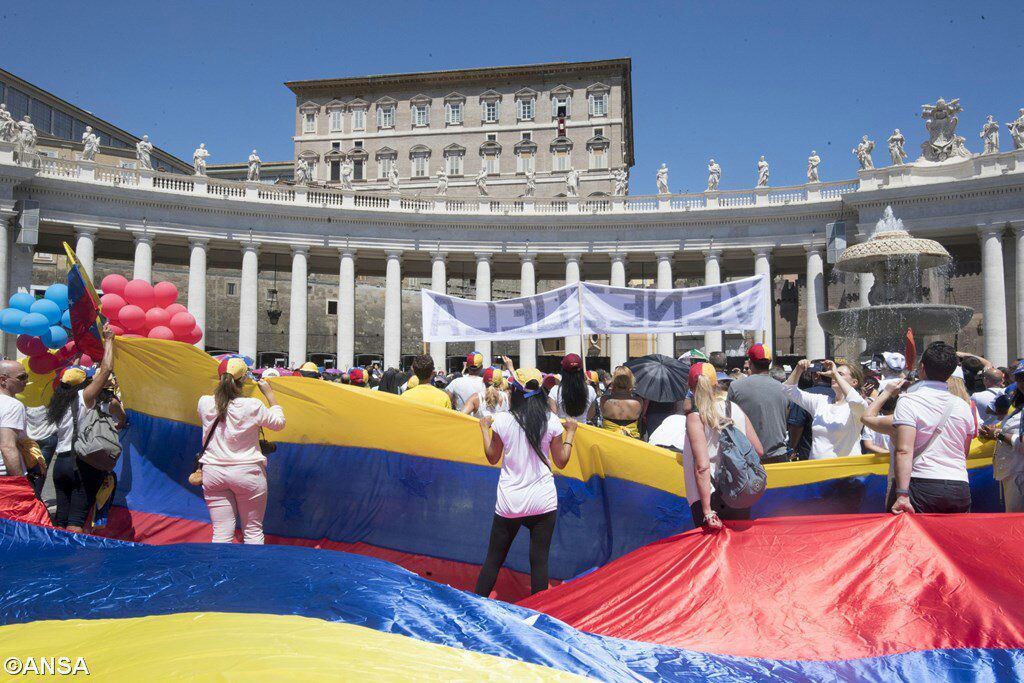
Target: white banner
737,305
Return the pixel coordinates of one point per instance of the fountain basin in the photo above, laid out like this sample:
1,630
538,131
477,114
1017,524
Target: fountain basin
895,244
891,321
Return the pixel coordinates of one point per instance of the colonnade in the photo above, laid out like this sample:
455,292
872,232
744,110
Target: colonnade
990,236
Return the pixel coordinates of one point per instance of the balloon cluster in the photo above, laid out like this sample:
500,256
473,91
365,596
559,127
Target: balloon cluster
43,361
139,309
45,320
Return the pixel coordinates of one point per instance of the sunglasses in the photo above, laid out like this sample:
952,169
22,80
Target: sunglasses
21,378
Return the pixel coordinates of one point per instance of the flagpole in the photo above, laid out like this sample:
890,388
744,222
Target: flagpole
583,342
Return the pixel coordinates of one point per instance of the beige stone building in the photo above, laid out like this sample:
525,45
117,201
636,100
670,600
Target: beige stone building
508,120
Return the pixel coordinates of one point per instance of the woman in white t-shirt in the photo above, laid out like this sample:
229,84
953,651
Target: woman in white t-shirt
835,426
573,396
697,436
526,440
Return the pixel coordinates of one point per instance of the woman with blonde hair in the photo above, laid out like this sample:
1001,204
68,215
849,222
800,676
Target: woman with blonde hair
233,464
958,387
492,400
620,409
835,425
697,436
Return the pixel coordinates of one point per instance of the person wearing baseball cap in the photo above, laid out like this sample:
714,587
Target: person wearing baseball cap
492,400
527,440
231,463
423,392
357,377
765,403
469,383
573,397
310,370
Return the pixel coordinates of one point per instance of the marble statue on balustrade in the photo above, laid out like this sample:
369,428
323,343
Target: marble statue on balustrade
393,177
620,182
813,162
960,147
9,127
1016,128
990,136
940,120
199,158
90,144
254,167
714,175
143,150
762,172
481,181
572,183
863,152
302,172
26,140
531,183
346,171
896,152
442,183
662,179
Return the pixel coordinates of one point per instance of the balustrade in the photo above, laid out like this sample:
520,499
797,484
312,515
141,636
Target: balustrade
174,183
225,189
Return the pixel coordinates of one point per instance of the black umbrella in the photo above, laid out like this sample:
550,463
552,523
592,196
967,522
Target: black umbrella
660,378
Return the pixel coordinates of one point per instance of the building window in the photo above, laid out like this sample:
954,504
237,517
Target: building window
525,161
358,119
358,144
492,137
384,165
599,104
453,113
420,167
453,164
335,171
599,132
561,106
560,160
62,124
386,116
491,164
42,116
309,122
491,111
358,172
232,288
527,135
525,108
335,120
17,103
332,307
598,158
420,115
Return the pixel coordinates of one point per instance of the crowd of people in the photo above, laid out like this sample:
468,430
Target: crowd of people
924,418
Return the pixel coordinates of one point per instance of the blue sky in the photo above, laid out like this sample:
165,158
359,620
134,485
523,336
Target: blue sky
730,80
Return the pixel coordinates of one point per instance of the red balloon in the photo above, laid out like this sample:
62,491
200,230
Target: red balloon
195,336
118,330
139,293
112,304
114,284
34,346
157,317
132,318
161,332
175,309
43,365
85,361
182,323
165,294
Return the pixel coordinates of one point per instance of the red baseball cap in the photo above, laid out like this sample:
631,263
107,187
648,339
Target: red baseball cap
698,369
572,361
759,352
356,376
475,359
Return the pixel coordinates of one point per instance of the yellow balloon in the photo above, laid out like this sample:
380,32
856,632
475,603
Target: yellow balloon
38,389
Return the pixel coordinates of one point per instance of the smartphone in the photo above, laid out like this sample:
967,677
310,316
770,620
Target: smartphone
816,367
499,361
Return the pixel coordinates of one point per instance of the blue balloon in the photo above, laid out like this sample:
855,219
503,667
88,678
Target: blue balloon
65,319
34,324
58,294
10,320
48,309
55,337
22,301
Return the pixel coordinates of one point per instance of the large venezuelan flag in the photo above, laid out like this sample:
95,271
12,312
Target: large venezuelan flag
841,598
369,472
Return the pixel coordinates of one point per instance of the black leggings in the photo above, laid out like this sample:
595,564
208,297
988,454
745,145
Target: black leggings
75,484
717,505
503,532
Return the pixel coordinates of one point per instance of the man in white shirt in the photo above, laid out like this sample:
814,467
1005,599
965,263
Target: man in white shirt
934,430
470,383
13,419
993,379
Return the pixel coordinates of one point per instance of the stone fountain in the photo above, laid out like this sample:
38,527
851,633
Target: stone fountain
897,298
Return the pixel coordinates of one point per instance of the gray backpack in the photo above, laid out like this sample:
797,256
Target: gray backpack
95,439
741,479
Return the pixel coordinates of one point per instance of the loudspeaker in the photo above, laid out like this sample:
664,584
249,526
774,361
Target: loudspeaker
27,222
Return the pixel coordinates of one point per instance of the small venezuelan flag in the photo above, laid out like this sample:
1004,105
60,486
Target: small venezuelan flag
84,306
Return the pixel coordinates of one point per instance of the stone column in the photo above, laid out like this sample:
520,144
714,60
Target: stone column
712,276
865,281
572,276
763,266
393,310
1018,235
85,247
618,344
197,284
6,238
143,269
993,292
527,287
248,295
666,341
346,309
814,303
439,283
298,307
483,293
